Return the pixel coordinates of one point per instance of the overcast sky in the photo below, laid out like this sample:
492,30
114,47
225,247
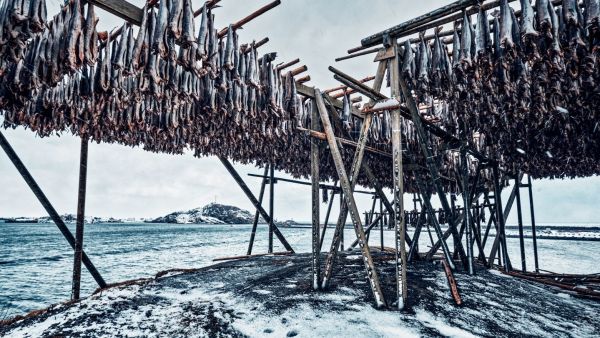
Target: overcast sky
126,182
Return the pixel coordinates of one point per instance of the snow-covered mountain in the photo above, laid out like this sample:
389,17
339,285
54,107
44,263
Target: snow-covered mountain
212,213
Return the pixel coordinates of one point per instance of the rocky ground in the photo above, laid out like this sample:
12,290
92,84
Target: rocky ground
272,297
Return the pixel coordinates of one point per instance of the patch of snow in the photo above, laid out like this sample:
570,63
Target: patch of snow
441,326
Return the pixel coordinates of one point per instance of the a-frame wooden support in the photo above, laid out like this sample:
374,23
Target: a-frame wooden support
346,186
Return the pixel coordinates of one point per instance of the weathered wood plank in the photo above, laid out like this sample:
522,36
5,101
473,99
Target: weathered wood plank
310,92
121,8
398,188
393,32
316,221
261,195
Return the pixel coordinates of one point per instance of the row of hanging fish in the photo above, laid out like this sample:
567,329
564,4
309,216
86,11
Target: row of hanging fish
526,82
164,87
19,21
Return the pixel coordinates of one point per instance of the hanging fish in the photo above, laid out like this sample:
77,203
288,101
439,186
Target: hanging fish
482,33
570,12
159,39
90,39
140,45
592,14
498,50
423,75
129,53
175,19
202,34
408,60
346,112
105,67
554,21
515,29
506,25
38,14
187,30
253,78
119,61
455,48
465,42
543,15
75,43
527,19
227,56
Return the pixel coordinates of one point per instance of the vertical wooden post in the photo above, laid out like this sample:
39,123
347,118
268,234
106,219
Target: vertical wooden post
39,194
271,205
500,215
369,218
343,212
326,222
382,223
350,203
520,223
83,157
467,208
398,191
533,233
257,214
315,178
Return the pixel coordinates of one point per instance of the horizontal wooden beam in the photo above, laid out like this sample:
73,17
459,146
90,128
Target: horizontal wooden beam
121,8
310,92
250,17
393,32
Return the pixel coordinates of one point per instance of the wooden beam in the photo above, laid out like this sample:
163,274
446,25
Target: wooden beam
310,92
366,79
121,8
398,188
83,158
316,221
287,64
394,32
261,195
361,53
250,17
299,70
355,84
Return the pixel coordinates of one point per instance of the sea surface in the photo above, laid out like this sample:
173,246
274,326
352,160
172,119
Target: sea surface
36,262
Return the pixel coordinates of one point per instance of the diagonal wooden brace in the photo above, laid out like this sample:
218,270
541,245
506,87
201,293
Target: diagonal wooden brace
255,202
37,191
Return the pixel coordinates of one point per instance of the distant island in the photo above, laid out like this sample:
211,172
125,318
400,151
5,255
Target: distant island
213,213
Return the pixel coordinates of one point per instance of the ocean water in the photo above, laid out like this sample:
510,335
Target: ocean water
36,261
